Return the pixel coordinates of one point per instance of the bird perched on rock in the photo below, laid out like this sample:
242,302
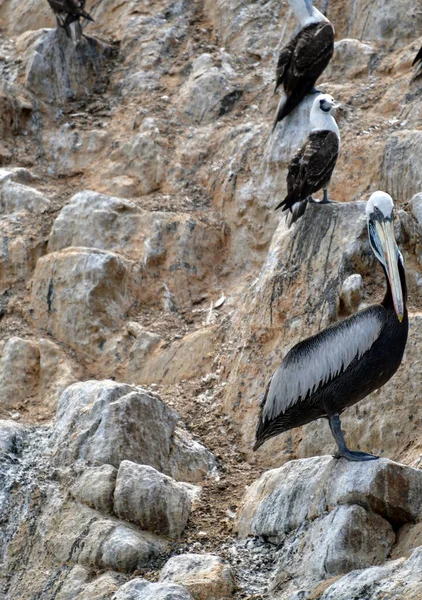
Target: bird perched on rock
69,12
325,374
418,63
312,166
304,58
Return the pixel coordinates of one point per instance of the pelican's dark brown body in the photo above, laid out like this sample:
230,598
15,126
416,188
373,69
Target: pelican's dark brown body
363,376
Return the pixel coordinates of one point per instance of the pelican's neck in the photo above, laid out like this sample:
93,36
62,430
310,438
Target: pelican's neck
323,121
305,13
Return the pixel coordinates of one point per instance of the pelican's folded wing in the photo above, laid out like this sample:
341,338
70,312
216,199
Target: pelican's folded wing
314,362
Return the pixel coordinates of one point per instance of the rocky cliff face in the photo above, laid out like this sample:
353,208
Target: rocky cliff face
148,290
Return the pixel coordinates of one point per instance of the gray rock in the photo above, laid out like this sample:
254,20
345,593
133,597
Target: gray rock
190,460
104,422
16,196
108,544
142,157
132,590
59,70
402,148
101,588
150,499
164,591
175,250
209,92
128,550
203,575
74,583
396,580
69,151
17,175
19,371
351,294
81,295
347,538
352,58
416,207
95,487
282,499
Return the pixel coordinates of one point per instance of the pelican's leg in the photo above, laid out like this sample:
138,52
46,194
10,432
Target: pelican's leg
343,450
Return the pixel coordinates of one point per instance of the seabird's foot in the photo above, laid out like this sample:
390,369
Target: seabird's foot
325,198
354,455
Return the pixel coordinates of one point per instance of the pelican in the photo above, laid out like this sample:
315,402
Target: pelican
418,63
313,164
325,374
68,12
304,58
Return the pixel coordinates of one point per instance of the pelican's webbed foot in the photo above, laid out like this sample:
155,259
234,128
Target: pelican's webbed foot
343,450
354,455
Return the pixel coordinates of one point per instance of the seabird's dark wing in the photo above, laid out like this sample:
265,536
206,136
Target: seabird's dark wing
313,51
318,360
283,63
316,167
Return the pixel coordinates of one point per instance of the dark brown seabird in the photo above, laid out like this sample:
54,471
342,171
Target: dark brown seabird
304,58
313,164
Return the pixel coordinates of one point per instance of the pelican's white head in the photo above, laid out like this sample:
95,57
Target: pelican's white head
321,117
380,219
380,201
305,13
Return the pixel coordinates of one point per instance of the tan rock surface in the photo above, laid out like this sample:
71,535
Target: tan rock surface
202,314
205,576
80,296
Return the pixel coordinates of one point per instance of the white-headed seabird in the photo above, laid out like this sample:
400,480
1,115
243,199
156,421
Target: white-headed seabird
312,166
325,374
304,58
68,13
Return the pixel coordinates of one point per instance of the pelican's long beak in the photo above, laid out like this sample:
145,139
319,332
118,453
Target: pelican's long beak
385,231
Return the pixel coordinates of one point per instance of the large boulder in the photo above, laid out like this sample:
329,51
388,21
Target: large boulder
177,251
396,580
95,487
329,516
305,489
151,500
205,576
103,422
80,296
60,70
